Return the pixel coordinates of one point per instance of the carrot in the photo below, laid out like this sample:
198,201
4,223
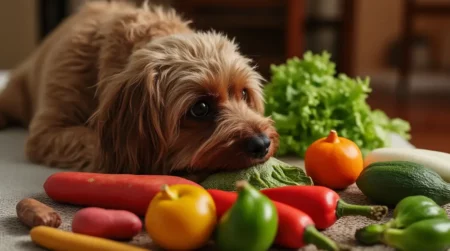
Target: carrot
56,239
112,191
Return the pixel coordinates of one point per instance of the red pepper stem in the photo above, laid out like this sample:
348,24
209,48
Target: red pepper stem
322,242
372,212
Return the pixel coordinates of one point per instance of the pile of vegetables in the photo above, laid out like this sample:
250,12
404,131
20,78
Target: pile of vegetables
179,214
307,98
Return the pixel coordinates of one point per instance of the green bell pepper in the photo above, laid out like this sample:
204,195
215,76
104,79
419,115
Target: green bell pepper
408,211
429,235
250,224
415,208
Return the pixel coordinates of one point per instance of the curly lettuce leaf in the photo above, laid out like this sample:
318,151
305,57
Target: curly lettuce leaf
306,99
272,173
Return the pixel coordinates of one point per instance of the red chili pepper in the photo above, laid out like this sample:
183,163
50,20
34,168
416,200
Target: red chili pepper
295,228
322,204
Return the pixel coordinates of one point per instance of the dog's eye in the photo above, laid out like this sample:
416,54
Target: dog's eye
244,94
200,109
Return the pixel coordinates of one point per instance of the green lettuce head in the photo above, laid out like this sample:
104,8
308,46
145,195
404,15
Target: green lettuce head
306,99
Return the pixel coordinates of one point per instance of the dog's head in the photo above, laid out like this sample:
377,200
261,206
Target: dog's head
185,102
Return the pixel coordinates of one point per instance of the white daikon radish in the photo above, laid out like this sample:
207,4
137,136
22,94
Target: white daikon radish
434,160
438,154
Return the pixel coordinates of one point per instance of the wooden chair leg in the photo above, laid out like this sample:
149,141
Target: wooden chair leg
51,13
346,51
295,28
403,85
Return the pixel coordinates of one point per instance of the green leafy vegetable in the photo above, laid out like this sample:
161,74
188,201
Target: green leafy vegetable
272,173
306,99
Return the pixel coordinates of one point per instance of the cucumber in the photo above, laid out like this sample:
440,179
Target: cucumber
389,182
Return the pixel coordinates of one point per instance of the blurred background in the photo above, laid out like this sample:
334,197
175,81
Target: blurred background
402,45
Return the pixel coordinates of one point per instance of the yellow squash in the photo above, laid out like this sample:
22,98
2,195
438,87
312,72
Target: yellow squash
56,239
181,217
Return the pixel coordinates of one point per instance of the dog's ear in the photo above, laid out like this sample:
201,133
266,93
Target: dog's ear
129,124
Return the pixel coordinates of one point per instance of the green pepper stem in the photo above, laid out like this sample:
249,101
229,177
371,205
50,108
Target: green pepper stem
393,237
390,224
313,236
372,212
371,234
241,184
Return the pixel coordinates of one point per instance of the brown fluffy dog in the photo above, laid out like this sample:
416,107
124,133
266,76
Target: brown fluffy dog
124,89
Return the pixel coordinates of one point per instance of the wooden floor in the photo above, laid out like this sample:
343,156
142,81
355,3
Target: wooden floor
429,116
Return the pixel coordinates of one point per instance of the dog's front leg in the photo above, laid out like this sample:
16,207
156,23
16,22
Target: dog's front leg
58,133
71,147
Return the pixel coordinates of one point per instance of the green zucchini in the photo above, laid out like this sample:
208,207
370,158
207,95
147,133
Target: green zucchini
389,182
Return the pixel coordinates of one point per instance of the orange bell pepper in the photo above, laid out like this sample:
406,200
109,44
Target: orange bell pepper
181,217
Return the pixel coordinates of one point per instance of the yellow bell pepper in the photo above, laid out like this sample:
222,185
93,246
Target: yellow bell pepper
181,217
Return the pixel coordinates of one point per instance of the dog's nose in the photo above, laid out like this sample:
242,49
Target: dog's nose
258,146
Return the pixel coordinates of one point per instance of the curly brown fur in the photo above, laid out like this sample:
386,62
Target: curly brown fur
110,90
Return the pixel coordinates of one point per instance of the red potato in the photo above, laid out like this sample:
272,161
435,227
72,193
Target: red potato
111,191
110,224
